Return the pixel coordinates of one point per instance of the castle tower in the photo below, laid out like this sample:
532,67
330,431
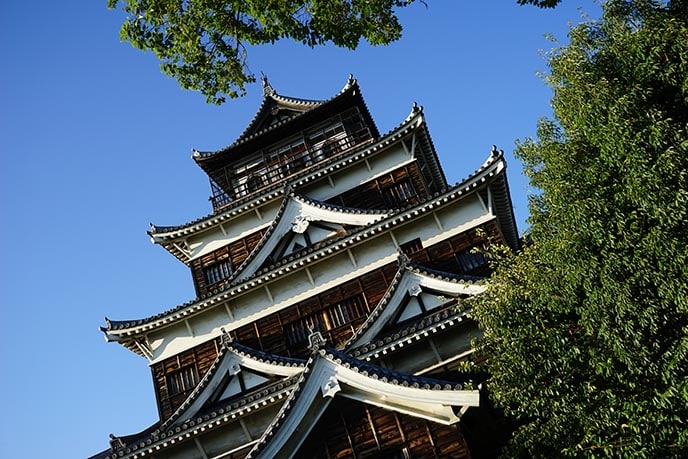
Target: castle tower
331,283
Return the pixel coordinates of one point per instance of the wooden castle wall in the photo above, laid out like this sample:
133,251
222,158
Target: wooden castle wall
400,188
234,254
350,429
176,377
336,313
456,254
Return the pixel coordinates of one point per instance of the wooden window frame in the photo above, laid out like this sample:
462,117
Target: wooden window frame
182,380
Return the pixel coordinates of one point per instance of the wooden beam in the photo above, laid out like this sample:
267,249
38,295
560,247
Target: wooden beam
437,220
269,294
351,257
245,429
348,434
372,427
188,328
200,448
394,240
310,276
229,312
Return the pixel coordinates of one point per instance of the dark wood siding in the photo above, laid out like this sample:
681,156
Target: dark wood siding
400,188
336,313
228,258
350,429
198,360
456,255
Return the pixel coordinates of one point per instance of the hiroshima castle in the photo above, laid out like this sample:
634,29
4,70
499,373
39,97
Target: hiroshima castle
333,281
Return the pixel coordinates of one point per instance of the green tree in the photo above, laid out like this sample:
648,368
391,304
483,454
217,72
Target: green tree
586,330
203,43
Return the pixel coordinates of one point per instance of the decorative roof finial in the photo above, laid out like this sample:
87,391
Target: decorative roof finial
116,443
315,341
494,150
226,339
416,108
351,79
404,260
267,89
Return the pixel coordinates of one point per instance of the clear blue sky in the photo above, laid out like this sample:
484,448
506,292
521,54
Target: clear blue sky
96,143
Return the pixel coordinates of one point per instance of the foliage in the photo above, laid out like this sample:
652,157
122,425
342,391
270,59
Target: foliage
586,330
203,43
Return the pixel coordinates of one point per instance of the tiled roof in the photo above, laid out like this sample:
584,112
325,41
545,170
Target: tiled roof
290,196
216,418
272,100
229,347
404,266
491,168
195,423
250,201
449,316
365,369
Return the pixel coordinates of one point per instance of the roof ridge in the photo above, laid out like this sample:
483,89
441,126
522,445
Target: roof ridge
270,95
231,209
467,185
449,313
291,196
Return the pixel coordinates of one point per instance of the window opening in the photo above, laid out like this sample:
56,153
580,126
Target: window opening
470,261
182,380
217,272
399,194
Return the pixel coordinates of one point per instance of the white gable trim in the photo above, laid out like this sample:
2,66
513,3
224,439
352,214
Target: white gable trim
296,215
326,379
409,284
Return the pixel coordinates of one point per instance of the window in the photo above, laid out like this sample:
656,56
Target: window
411,247
287,159
470,261
249,177
217,271
326,319
344,312
399,194
182,380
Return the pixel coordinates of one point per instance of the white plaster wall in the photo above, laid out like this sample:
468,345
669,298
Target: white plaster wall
289,288
383,163
244,224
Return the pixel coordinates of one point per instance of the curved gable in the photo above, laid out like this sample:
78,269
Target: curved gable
413,293
330,373
302,223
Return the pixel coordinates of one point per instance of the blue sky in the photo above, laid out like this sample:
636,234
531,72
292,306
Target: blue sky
96,143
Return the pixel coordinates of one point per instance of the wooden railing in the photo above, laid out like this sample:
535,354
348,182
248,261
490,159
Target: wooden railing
269,167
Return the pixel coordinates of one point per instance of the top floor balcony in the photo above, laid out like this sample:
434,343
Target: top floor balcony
283,159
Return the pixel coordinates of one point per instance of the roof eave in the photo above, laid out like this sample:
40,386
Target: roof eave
491,169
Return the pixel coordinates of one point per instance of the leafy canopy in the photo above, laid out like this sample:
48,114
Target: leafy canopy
586,330
204,43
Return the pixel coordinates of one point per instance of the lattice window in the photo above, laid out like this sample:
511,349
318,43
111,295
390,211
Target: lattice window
326,319
411,247
182,380
470,260
217,272
399,194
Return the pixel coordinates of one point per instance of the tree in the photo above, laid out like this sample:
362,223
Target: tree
203,43
586,330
